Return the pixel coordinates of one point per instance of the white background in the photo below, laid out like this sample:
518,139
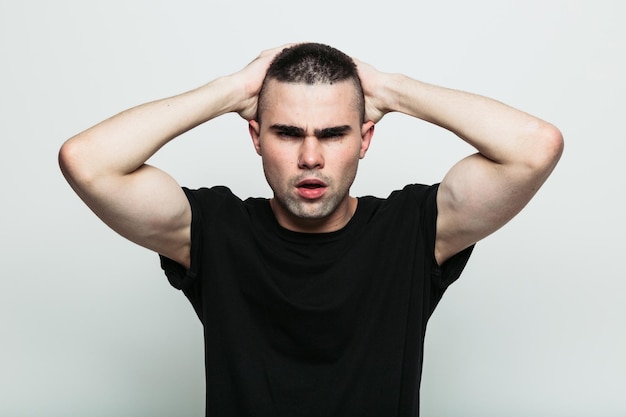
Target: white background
89,325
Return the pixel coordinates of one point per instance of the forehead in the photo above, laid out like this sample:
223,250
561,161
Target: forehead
296,103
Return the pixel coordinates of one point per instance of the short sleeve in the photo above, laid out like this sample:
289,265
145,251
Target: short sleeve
180,277
450,271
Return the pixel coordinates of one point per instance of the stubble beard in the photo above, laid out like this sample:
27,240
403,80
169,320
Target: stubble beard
310,210
318,209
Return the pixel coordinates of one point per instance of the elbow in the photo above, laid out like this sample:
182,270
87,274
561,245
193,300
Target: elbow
554,143
547,150
72,163
65,157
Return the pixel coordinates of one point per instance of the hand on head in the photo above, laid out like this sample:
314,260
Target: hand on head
252,77
371,81
253,74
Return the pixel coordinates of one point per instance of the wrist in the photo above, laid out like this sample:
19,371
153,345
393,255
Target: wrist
220,96
241,94
392,92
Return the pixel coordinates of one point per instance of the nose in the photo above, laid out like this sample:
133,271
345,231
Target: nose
311,156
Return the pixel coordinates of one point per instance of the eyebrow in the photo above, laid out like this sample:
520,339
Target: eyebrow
288,130
330,132
299,132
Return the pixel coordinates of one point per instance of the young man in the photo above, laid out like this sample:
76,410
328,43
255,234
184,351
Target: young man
314,302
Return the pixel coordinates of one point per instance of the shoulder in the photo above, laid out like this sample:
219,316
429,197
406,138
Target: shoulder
219,205
220,193
416,192
412,207
216,193
412,196
211,199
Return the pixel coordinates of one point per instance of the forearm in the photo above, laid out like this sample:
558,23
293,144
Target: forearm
480,193
120,145
499,132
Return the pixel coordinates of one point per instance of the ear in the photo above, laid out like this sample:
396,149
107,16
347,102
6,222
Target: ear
367,131
255,132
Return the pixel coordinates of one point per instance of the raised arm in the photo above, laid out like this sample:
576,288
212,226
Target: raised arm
106,166
516,154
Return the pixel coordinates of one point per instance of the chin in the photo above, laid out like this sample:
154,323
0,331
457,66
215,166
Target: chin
317,210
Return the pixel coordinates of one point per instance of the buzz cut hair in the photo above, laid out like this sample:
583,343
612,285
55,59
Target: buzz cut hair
312,63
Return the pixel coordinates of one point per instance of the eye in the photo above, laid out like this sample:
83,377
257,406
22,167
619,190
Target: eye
287,132
337,135
331,136
287,135
334,133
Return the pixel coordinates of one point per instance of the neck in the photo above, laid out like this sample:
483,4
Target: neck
338,219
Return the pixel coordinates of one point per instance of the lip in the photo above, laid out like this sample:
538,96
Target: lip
311,182
311,188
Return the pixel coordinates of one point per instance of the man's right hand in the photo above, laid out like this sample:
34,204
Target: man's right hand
251,79
106,164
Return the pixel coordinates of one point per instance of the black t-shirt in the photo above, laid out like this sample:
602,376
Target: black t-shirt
328,324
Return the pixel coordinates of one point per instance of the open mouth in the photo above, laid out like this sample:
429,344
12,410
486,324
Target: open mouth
311,183
311,188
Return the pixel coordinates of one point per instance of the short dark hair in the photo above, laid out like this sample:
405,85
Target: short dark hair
312,63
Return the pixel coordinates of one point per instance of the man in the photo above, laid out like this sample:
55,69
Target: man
313,302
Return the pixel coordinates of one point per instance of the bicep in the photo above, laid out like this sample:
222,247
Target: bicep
147,207
476,198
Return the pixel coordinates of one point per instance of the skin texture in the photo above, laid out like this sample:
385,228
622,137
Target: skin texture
106,164
311,140
515,154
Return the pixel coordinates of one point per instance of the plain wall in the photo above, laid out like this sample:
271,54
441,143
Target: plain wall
89,325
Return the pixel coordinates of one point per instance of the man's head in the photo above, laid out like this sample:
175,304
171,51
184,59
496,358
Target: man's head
312,63
310,134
